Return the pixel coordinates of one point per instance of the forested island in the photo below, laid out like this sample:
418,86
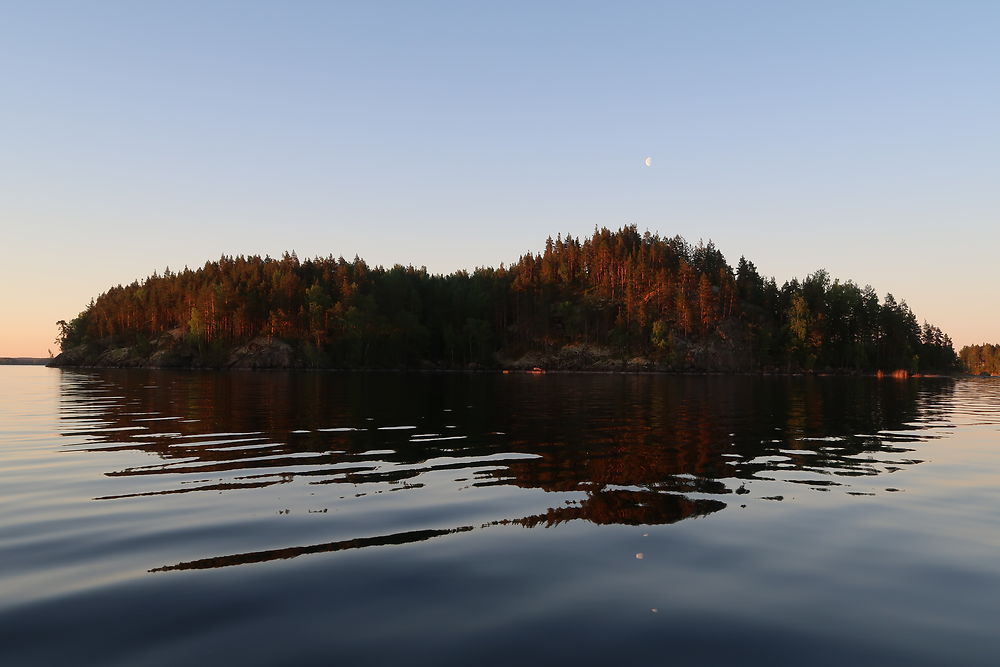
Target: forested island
619,300
981,359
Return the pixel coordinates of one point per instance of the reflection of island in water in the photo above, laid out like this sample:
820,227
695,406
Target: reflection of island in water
634,450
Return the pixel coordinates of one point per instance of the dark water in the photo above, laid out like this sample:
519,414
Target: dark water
279,518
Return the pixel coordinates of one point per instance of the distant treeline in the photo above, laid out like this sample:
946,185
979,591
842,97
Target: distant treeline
631,294
23,361
983,358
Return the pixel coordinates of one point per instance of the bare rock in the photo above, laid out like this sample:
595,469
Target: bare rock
263,352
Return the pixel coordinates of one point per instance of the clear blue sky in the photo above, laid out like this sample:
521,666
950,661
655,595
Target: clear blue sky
860,137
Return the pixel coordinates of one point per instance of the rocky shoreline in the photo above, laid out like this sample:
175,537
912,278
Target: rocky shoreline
174,351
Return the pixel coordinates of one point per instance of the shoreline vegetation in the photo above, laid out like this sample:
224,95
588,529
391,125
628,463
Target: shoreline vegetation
617,301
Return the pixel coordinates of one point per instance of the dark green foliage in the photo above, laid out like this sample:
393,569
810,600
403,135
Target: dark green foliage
74,332
676,305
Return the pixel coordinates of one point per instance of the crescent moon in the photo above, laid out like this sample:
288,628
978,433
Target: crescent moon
648,162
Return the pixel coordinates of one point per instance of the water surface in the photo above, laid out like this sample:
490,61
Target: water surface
155,517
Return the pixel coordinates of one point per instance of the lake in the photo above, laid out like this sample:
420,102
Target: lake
165,518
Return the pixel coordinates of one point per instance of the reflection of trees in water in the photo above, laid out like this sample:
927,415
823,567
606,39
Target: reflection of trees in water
686,434
636,446
582,432
326,547
633,508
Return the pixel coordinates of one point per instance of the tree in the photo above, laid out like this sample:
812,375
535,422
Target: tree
707,304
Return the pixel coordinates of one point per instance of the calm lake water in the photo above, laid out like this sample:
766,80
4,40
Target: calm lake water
155,517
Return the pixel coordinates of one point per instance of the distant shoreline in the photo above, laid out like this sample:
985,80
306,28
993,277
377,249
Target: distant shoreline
25,361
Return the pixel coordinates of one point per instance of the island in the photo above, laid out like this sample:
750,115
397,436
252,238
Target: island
618,300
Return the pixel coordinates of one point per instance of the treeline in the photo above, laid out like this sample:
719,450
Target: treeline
979,359
677,305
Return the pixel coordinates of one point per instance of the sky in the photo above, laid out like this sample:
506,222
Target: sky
860,137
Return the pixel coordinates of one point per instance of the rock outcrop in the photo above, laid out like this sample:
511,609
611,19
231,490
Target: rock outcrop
263,352
174,350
